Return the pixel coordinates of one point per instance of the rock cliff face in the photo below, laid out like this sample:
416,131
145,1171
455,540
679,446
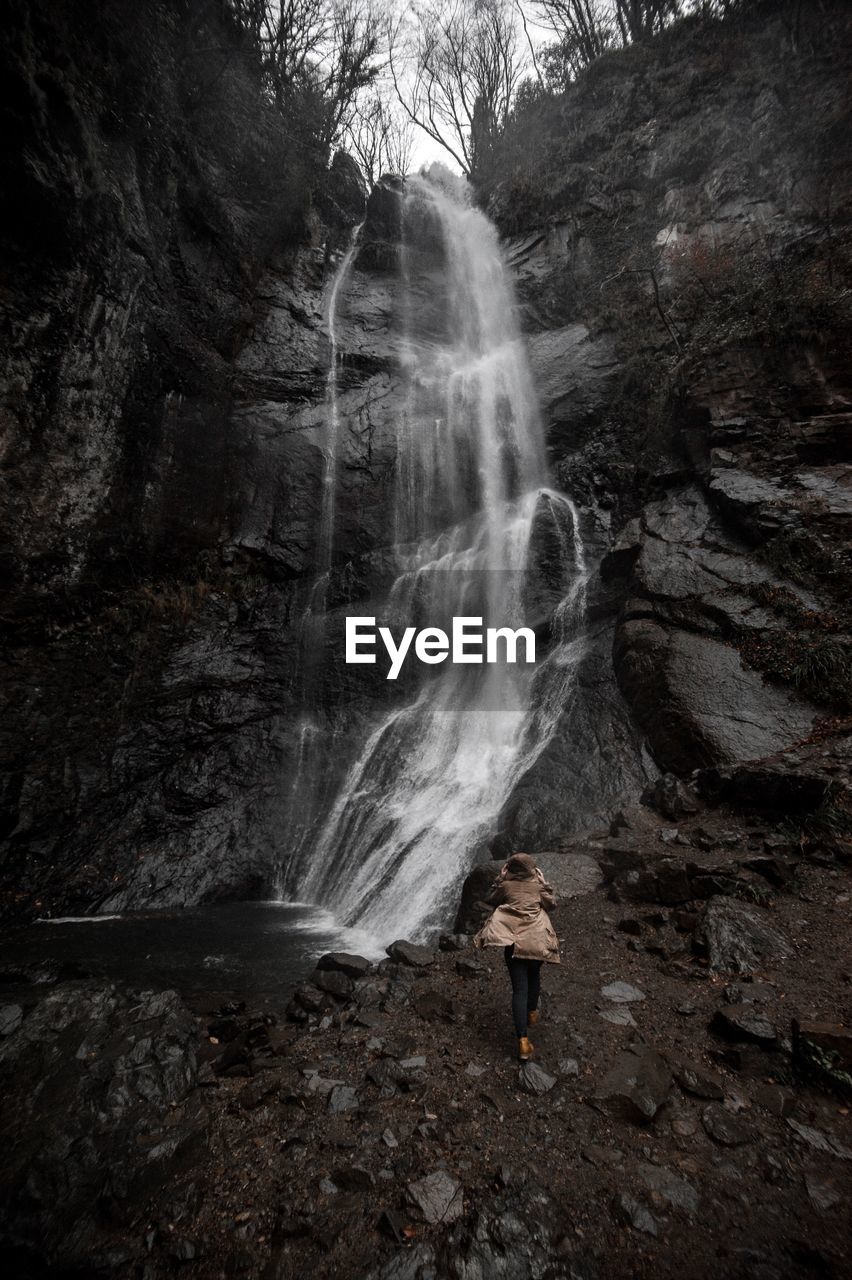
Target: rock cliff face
145,188
166,393
680,232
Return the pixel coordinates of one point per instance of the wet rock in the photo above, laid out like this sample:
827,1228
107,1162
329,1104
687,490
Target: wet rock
317,1083
333,982
744,1022
119,1069
600,1157
630,1213
571,874
751,501
453,941
183,1249
371,992
353,1177
630,926
820,1141
726,1129
716,708
823,1192
698,1080
775,788
622,993
387,1075
409,953
569,1067
342,1098
534,1079
236,1059
224,1029
670,797
777,1101
748,993
670,1187
392,1225
11,1017
780,875
310,998
466,968
738,939
636,1087
621,1017
438,1196
824,1048
434,1007
353,966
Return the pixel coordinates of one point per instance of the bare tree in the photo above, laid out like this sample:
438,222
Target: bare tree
641,19
584,29
315,56
455,71
380,136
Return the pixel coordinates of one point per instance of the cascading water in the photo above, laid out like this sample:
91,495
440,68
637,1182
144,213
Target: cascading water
472,509
306,779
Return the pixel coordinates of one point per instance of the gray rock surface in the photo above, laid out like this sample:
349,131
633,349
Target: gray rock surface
119,1069
740,939
636,1086
438,1196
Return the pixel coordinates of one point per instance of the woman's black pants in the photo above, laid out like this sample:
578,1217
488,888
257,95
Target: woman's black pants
526,979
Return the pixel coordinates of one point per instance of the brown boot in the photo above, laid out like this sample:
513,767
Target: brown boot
525,1049
532,1017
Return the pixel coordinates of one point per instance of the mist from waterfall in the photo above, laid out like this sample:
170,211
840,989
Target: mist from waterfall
472,509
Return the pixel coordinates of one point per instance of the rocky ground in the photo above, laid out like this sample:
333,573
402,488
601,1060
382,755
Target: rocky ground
686,1113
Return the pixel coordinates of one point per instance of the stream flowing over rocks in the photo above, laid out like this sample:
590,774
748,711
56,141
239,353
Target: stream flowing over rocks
603,392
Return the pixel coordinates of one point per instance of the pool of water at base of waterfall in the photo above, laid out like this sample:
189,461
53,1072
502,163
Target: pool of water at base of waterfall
233,949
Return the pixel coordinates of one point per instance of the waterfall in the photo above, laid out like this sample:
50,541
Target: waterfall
332,442
305,785
477,530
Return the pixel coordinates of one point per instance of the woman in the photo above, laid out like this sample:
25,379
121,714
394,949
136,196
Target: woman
520,924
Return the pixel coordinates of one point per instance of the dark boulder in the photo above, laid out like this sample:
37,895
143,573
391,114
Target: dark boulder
744,1022
438,1196
630,1213
635,1087
353,966
724,1127
737,938
333,982
670,797
410,954
533,1078
344,192
119,1069
776,789
453,941
698,1080
473,909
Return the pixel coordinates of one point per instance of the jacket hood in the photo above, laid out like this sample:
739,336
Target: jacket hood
520,866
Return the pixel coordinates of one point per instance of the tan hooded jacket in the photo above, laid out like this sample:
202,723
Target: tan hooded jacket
521,897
